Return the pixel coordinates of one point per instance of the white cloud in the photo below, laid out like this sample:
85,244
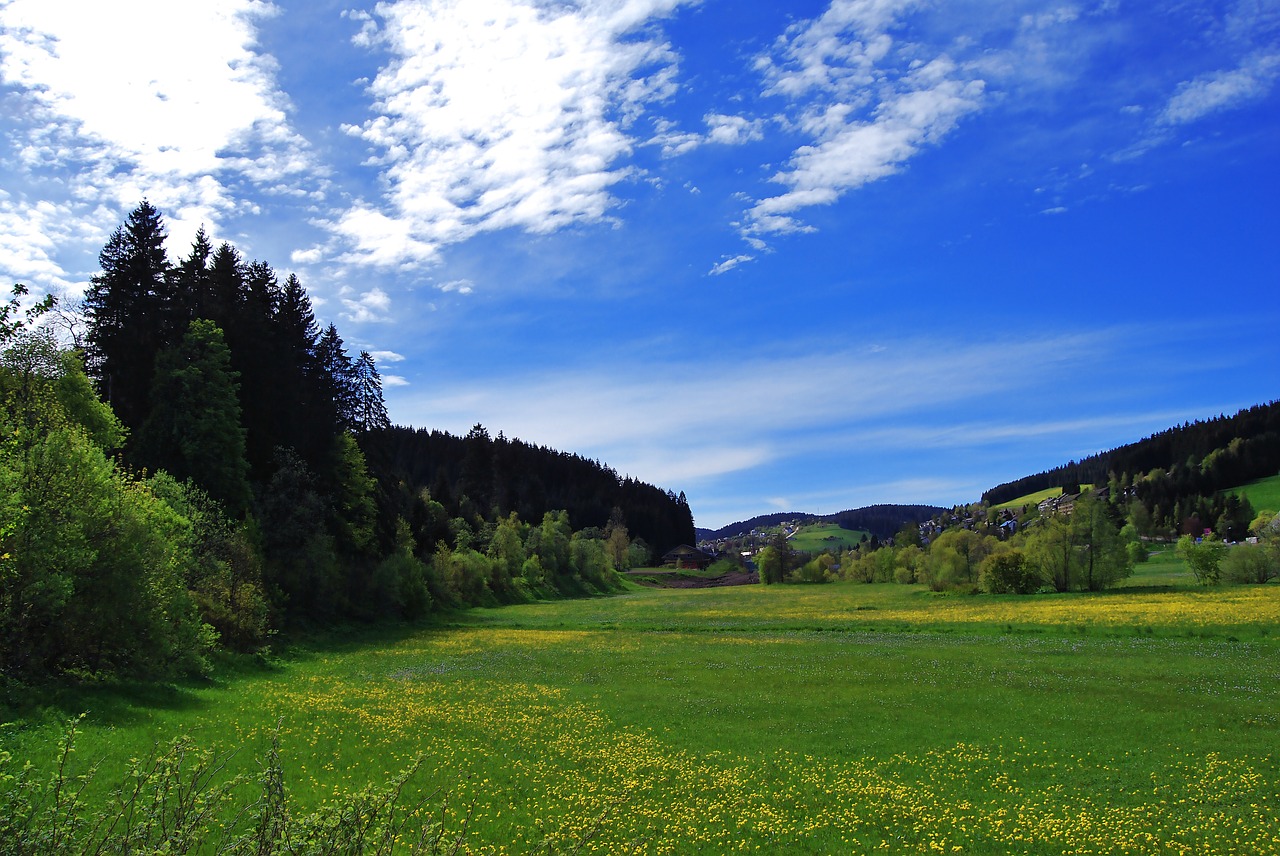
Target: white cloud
836,51
729,264
722,129
1222,90
309,256
732,130
459,286
866,108
676,143
30,235
740,414
390,380
148,98
529,138
371,306
386,357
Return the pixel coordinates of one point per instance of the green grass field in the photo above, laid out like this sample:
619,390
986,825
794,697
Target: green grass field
825,537
1037,497
1263,493
787,719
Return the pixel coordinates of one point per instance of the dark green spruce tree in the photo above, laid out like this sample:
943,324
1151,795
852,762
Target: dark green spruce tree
370,406
338,376
193,430
125,304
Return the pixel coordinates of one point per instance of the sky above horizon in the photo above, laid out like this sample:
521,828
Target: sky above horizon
781,257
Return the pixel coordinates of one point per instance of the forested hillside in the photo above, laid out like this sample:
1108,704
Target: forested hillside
204,464
1175,476
478,474
883,521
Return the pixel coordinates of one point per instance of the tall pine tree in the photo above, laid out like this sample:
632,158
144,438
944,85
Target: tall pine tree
370,407
125,304
338,374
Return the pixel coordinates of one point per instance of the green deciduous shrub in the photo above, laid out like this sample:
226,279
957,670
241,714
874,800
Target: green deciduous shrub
1009,572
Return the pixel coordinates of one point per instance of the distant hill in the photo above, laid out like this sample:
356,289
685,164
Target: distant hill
1182,477
883,521
1247,447
1181,480
742,527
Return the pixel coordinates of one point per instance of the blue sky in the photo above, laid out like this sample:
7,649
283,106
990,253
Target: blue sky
805,256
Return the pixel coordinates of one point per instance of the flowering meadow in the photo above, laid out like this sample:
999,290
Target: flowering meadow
829,719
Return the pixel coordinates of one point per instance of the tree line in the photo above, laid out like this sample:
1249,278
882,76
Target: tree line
204,464
1089,544
486,477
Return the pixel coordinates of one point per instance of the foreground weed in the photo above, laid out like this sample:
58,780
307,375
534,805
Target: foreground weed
179,800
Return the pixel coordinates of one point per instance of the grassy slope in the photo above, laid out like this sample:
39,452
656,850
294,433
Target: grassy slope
1037,497
1263,493
788,719
822,537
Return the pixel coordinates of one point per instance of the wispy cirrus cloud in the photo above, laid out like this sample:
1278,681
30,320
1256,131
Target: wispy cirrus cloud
741,414
533,137
866,107
729,264
457,286
1222,90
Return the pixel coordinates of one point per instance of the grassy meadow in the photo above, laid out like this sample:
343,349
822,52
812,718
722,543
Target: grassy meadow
825,537
1037,497
1263,493
841,718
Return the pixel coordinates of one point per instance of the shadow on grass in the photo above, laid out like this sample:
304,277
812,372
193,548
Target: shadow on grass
1121,591
113,702
119,701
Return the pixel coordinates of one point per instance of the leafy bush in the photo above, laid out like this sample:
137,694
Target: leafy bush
1252,563
1203,557
1008,572
816,570
96,576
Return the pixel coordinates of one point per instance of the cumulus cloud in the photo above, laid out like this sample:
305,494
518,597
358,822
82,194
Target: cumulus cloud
30,234
532,137
722,129
309,256
114,103
458,286
732,130
371,306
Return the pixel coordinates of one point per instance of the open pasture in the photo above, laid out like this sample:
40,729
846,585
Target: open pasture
785,719
1037,497
1263,493
824,537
